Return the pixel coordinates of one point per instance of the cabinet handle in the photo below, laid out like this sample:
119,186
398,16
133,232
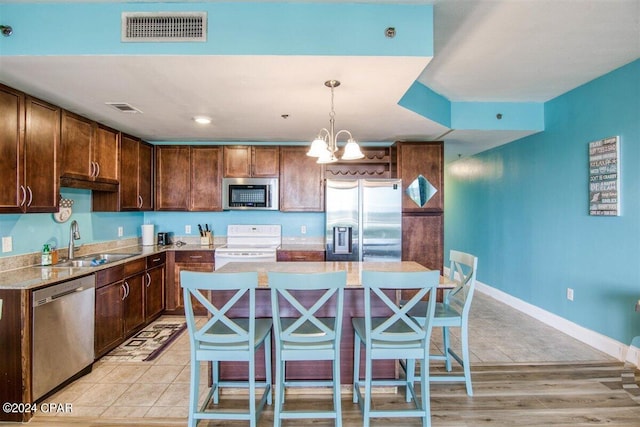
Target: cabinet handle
24,195
97,169
140,202
148,280
124,292
155,260
30,196
195,256
92,172
300,257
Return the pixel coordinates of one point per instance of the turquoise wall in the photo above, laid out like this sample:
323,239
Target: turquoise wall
523,209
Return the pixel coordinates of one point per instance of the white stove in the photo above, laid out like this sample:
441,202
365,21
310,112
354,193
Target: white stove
249,243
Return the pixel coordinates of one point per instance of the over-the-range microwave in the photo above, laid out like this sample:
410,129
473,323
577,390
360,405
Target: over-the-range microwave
250,193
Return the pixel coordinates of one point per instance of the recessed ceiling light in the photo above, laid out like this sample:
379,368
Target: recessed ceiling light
202,120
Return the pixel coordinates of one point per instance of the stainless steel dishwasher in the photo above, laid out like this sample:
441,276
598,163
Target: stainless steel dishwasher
63,329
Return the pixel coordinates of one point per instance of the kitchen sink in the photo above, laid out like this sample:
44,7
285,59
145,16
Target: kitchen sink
93,260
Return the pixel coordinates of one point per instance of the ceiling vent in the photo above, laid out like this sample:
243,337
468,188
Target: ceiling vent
164,26
123,107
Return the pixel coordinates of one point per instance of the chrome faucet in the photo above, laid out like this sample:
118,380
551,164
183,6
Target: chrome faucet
74,234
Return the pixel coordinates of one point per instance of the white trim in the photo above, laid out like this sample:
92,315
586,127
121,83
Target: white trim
596,340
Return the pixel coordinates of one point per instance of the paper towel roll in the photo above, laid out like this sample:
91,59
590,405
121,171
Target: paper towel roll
148,237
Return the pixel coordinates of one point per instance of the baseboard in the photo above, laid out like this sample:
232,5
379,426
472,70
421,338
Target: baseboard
616,349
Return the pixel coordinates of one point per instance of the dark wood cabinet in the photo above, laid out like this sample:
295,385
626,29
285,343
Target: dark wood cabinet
421,158
243,161
136,178
206,179
154,287
188,178
300,255
135,192
422,227
190,261
301,181
109,322
90,154
29,142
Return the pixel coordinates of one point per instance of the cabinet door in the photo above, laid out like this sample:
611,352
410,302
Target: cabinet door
265,161
154,293
76,138
145,176
190,261
108,321
237,161
41,143
129,173
206,179
426,159
301,181
172,178
422,239
134,302
106,151
11,145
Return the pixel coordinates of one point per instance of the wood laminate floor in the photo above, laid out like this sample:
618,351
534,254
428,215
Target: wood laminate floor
524,373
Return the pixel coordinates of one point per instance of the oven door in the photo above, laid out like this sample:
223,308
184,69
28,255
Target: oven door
223,257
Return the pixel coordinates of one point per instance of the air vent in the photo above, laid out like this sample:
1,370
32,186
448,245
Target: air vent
164,26
123,107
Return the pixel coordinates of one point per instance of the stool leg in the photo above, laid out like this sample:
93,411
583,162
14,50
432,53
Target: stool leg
446,343
425,391
215,373
267,367
194,391
410,374
337,403
356,366
464,337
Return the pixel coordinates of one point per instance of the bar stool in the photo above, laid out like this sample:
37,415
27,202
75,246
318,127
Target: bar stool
223,338
396,336
301,334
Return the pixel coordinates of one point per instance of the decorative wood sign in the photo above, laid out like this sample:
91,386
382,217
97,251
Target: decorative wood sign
604,177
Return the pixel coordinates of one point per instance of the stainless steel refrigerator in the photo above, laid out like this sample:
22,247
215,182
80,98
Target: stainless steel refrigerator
364,220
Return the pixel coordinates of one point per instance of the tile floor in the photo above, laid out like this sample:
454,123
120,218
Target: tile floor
159,389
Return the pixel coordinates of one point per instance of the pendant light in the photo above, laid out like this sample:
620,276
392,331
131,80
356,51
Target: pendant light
325,146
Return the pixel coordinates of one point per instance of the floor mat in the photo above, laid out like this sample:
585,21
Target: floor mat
147,344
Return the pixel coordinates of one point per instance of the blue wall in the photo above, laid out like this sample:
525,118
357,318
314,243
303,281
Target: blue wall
523,209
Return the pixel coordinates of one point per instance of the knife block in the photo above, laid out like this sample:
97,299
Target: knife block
207,239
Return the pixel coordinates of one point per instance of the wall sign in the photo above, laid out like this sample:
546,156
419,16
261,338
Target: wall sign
604,177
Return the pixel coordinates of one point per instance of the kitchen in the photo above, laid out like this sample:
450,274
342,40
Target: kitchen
29,231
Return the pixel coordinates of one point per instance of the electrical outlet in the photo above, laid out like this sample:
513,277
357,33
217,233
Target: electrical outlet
187,229
7,244
120,231
570,294
303,229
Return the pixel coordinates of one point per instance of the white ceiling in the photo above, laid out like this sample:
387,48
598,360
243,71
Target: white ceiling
485,50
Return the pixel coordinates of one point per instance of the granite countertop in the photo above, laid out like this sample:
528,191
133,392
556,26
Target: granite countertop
35,276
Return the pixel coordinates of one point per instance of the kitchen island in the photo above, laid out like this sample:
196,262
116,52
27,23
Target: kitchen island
353,307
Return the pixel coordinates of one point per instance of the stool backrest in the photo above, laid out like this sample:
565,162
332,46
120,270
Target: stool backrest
462,270
219,327
287,294
399,326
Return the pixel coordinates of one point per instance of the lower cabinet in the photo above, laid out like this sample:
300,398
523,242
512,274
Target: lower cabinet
300,255
128,296
191,261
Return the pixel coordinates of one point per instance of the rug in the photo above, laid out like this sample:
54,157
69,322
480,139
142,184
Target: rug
147,344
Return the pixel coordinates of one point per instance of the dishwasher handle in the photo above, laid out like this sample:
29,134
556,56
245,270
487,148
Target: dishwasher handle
60,290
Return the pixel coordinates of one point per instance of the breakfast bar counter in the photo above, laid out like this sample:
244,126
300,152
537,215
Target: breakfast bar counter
353,307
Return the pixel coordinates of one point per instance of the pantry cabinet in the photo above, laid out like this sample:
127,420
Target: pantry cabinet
29,142
301,181
250,161
90,154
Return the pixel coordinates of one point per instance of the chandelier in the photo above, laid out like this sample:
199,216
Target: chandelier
325,146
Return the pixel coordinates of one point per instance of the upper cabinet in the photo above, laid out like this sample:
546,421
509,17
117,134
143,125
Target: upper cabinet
29,143
301,181
136,179
90,154
245,161
188,178
135,192
420,166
